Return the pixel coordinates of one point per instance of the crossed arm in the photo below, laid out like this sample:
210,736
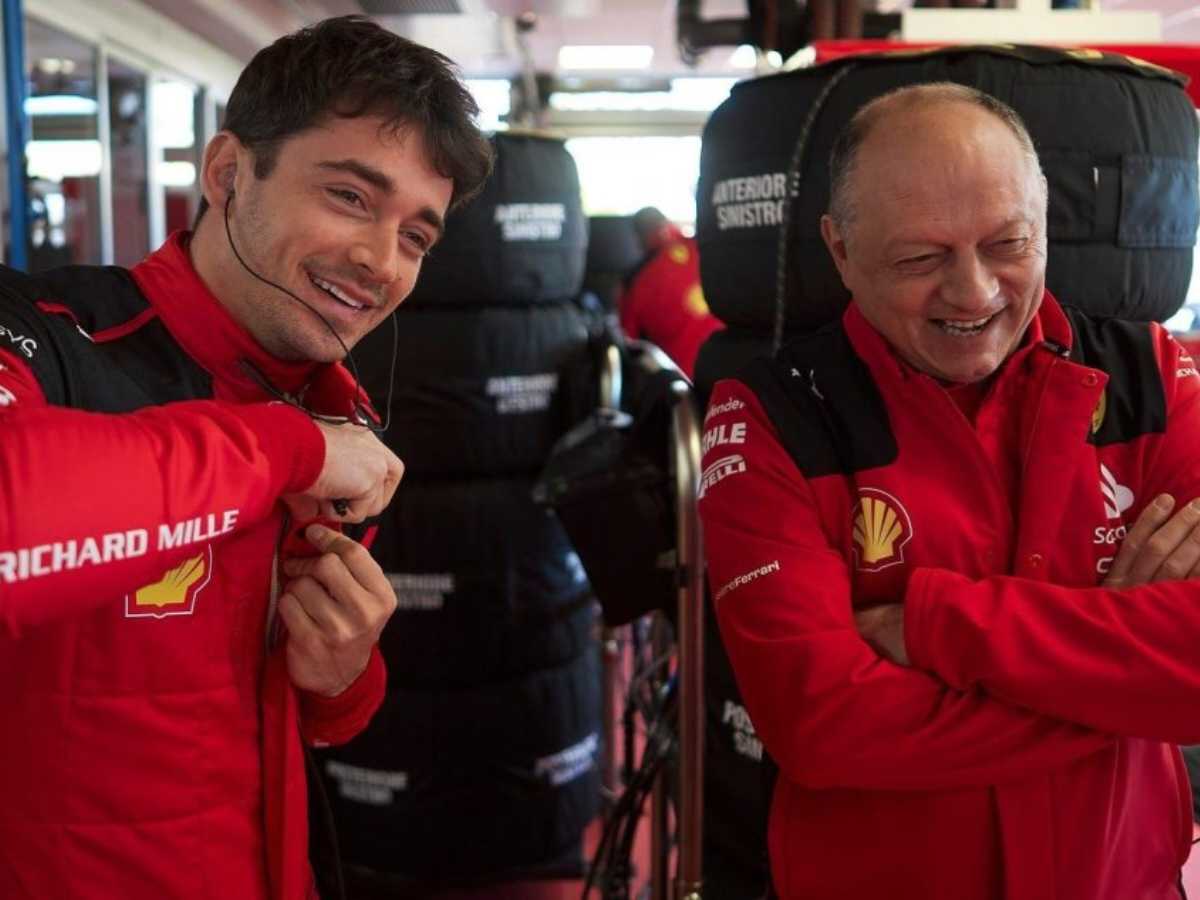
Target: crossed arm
1011,676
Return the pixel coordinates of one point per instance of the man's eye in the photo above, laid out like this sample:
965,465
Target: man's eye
418,240
1010,245
921,261
350,197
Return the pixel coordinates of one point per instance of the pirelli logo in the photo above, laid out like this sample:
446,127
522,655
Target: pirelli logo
715,472
881,529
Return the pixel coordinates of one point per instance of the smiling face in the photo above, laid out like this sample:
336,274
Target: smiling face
343,221
946,256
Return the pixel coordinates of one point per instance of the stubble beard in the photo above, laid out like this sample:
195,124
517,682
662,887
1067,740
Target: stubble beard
283,326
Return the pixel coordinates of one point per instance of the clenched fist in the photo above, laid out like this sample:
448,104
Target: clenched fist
359,469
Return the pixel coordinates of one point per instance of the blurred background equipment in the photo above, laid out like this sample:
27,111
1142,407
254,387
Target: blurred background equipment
480,770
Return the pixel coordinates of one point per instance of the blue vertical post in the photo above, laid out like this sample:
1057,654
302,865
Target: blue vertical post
14,98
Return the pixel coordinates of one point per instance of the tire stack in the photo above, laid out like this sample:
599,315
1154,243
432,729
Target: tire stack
1117,141
613,252
480,765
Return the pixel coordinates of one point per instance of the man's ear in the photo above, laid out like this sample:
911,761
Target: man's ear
836,242
219,176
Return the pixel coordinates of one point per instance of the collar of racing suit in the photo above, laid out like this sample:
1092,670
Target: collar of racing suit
204,327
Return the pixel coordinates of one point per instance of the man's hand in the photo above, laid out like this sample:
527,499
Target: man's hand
1159,546
358,469
335,606
883,628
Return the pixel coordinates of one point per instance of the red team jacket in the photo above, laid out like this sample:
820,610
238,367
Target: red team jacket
152,741
664,304
1028,753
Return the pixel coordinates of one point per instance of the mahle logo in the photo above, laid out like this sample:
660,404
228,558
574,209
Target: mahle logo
881,529
174,594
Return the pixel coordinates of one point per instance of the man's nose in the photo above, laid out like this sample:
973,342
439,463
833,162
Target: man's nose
970,285
376,254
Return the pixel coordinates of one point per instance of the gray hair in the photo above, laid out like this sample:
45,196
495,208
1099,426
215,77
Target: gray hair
843,159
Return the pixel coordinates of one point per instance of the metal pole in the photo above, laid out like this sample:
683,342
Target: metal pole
104,133
660,832
690,640
14,98
610,668
610,638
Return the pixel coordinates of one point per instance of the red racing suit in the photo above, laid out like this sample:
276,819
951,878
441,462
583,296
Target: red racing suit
1027,753
153,737
664,303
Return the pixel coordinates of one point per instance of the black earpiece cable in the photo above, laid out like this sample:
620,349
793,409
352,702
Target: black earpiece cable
361,416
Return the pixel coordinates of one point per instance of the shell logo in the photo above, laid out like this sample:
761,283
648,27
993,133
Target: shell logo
679,254
1099,412
881,529
174,594
695,301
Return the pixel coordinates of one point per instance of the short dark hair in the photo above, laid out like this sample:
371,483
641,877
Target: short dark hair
647,222
844,156
349,66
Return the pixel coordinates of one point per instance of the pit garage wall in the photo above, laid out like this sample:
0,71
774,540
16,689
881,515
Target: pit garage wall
133,34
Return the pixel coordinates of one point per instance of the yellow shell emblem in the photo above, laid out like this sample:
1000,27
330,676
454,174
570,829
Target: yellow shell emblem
881,529
678,253
172,589
1099,411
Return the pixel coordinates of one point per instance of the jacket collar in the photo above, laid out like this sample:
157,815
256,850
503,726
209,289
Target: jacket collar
204,327
1049,330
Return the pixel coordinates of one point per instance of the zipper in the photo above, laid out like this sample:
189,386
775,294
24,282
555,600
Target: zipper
272,626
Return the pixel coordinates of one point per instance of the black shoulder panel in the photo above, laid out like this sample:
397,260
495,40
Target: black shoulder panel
141,368
30,335
825,404
100,297
1134,400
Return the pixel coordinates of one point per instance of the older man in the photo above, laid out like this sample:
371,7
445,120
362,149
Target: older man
957,463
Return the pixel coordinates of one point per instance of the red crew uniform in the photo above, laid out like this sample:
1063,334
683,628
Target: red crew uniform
663,302
1027,754
153,747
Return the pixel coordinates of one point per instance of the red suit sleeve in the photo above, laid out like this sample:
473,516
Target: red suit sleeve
831,712
326,721
91,504
1123,661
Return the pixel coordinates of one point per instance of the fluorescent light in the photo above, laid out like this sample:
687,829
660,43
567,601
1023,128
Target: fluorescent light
494,96
173,115
700,93
60,105
687,94
176,173
744,57
605,56
56,160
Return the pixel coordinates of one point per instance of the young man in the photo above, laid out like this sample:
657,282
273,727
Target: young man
172,627
914,524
